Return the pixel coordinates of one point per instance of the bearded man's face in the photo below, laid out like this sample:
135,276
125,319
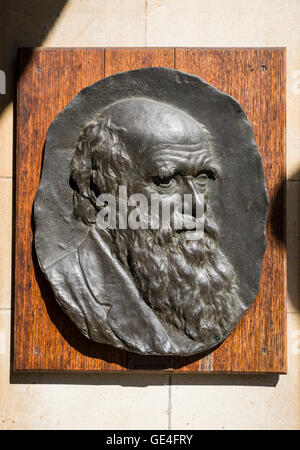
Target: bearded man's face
180,270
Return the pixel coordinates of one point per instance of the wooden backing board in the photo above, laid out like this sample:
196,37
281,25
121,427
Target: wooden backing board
44,338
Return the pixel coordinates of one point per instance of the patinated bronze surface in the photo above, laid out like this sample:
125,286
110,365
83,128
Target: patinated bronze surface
148,290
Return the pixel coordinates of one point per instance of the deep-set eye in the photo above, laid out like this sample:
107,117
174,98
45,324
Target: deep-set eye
163,182
205,175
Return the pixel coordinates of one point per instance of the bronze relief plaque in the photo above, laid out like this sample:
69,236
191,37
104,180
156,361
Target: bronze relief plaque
151,212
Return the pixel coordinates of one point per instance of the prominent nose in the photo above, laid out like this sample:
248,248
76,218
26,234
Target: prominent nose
193,199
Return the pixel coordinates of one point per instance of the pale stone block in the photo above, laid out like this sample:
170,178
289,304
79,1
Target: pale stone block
223,23
64,401
6,139
293,128
293,112
240,402
92,23
5,241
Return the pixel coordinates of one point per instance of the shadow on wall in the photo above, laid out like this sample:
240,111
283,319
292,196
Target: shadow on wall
145,379
22,24
288,232
293,240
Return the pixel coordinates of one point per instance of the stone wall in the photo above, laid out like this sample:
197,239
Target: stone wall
50,401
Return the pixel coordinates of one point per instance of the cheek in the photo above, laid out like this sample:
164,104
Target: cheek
171,200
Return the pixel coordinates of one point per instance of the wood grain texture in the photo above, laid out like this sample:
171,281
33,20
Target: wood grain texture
44,338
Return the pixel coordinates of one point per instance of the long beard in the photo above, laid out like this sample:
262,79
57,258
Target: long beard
190,285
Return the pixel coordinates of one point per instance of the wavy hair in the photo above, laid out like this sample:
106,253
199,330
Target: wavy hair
99,164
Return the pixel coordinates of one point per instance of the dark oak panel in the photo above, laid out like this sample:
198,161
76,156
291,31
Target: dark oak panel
44,339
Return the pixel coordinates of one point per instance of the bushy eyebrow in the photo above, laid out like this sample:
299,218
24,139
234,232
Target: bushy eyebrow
174,162
165,170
